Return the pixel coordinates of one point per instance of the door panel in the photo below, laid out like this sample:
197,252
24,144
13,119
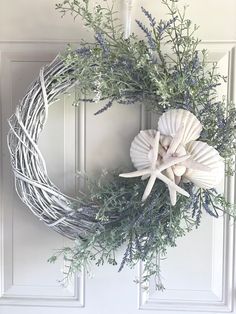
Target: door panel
198,274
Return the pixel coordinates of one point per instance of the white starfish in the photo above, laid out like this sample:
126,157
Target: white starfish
155,170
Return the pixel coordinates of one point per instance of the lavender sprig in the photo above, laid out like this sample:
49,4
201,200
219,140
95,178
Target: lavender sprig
148,34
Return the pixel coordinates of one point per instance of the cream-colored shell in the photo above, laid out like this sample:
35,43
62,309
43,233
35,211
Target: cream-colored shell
207,156
172,154
171,121
141,148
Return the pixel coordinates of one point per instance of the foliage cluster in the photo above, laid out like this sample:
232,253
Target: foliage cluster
164,70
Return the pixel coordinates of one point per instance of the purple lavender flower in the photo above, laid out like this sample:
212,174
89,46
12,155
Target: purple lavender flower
148,34
102,42
220,116
84,51
163,25
152,19
104,108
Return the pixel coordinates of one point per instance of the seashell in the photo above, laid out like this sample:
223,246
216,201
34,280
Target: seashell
172,120
172,154
179,170
141,149
165,141
208,156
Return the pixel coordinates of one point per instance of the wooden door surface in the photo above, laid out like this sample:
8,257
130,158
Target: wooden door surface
199,273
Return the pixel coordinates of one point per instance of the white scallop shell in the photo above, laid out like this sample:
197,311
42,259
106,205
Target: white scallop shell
207,156
171,121
141,147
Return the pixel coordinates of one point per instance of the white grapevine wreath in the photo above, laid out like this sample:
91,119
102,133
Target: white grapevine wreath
31,179
183,154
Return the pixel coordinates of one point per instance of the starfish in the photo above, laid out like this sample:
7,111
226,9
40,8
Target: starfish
155,170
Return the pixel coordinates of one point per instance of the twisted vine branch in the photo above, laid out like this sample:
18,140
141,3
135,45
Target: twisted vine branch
69,217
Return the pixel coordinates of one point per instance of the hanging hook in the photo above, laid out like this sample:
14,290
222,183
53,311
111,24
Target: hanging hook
128,13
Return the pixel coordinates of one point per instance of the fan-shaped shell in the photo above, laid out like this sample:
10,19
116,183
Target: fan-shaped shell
207,156
141,148
171,121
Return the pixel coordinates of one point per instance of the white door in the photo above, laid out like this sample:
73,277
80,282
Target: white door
198,274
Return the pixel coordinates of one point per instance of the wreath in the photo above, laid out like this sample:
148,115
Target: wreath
180,162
